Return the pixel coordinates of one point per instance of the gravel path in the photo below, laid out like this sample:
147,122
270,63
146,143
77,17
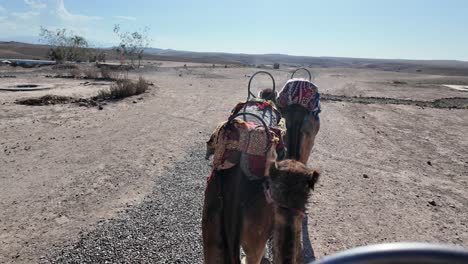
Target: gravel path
165,228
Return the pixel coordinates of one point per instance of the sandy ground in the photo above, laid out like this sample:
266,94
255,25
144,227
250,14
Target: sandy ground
65,169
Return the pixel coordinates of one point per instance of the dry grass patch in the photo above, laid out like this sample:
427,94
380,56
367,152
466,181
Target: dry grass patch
46,100
75,72
86,72
123,88
90,72
109,74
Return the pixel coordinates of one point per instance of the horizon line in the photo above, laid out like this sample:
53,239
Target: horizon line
260,54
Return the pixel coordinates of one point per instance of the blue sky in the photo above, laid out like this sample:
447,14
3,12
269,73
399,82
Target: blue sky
406,29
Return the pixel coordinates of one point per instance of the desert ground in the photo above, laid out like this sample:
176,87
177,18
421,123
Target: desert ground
124,182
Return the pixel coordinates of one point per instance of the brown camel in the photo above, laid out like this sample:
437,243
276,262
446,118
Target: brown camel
240,211
302,128
299,102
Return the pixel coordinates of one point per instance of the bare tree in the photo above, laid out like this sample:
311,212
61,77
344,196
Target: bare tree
65,46
132,44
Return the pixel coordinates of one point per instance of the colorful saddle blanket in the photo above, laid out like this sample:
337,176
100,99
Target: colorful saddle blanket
246,142
266,110
301,92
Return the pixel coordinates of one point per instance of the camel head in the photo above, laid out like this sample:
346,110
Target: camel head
268,94
290,185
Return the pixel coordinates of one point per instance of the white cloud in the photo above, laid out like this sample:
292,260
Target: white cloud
129,18
25,15
34,4
7,26
19,23
63,14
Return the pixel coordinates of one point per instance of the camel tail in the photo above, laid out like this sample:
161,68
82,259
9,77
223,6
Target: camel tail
295,115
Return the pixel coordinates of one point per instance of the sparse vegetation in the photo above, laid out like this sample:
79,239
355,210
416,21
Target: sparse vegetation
106,72
109,74
46,100
97,55
86,72
78,72
65,46
75,72
124,88
91,72
132,45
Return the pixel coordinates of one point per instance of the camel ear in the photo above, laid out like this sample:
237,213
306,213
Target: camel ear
313,179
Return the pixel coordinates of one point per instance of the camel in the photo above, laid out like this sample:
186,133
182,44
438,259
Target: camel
302,128
246,202
237,212
299,102
252,194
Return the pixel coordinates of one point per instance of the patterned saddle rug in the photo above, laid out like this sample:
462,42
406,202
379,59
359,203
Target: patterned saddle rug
266,110
244,140
301,92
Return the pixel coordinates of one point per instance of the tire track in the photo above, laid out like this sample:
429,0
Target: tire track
456,102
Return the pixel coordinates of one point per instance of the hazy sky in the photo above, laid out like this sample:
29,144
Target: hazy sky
409,29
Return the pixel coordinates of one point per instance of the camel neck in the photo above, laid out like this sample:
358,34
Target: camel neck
287,237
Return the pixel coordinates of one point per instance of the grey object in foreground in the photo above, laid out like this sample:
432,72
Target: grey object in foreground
400,253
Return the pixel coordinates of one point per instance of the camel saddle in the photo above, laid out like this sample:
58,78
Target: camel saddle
301,92
245,140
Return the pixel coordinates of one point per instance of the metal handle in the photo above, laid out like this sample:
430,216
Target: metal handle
267,129
250,81
308,72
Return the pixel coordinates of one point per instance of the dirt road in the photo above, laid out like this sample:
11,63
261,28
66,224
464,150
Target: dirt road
125,183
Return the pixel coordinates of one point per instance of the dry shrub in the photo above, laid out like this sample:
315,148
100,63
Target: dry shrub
91,72
124,88
75,72
141,86
46,100
108,73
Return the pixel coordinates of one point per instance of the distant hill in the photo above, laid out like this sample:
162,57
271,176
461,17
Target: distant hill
448,67
18,50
